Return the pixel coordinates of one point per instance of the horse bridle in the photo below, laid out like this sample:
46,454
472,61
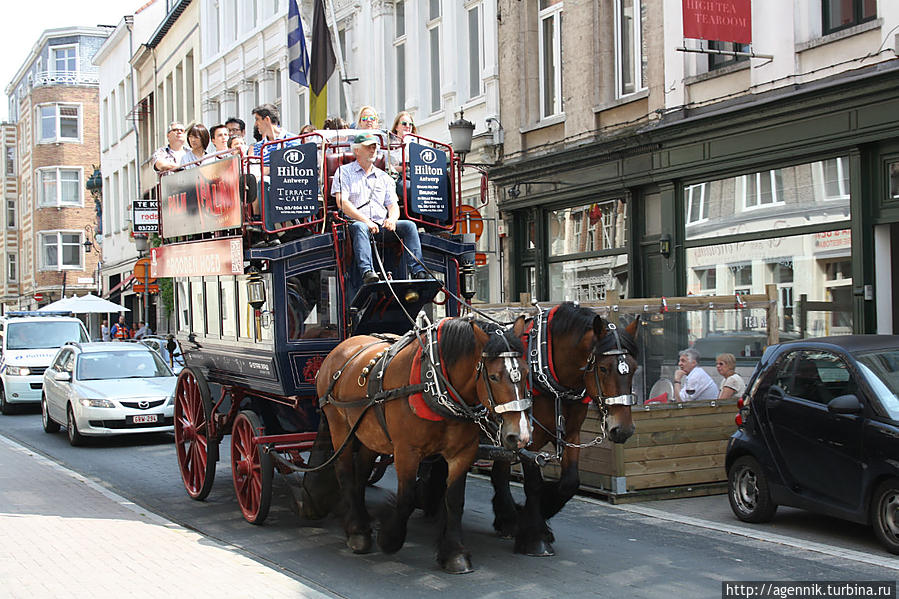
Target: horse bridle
627,399
510,361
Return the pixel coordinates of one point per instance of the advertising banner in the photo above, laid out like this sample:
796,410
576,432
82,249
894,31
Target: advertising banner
201,199
145,216
293,193
720,20
428,182
223,256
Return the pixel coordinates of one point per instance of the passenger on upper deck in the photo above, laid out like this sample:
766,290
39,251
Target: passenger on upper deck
236,127
366,195
402,124
169,157
268,120
219,136
368,118
198,140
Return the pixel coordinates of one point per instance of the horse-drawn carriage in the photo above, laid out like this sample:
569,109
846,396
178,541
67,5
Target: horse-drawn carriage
277,328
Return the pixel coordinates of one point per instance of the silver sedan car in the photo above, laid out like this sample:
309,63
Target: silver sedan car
109,388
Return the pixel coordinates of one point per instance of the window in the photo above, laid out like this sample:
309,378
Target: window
59,187
61,250
10,214
212,31
763,189
894,180
550,57
434,54
834,178
65,60
717,61
628,46
475,63
697,207
11,160
706,279
59,122
399,44
12,268
840,14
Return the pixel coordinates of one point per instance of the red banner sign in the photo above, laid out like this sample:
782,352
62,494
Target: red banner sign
222,256
720,20
202,199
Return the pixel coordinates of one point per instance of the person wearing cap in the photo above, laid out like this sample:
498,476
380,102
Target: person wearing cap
367,196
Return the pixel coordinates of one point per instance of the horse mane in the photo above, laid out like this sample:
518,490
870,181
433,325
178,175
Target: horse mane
607,342
571,318
457,339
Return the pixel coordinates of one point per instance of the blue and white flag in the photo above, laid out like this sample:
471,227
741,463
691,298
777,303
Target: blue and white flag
297,55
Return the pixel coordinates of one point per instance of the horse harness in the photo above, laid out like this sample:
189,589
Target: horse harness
435,389
543,379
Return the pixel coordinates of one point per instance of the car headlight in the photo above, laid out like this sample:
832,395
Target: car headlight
97,403
18,370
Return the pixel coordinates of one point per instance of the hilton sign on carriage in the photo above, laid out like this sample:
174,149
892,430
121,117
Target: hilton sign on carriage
428,182
293,193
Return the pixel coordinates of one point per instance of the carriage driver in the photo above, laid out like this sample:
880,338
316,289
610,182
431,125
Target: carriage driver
367,195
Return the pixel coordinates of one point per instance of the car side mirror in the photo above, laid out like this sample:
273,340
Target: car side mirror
63,377
845,404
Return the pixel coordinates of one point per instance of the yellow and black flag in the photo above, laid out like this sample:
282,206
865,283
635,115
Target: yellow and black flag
322,66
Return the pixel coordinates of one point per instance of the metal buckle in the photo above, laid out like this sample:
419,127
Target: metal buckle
620,400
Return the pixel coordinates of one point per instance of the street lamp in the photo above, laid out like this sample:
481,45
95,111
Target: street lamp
142,244
461,132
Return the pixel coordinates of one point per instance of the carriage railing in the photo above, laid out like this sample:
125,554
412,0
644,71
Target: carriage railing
454,182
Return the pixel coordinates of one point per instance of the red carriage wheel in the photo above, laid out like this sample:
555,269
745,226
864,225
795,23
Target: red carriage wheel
251,468
193,412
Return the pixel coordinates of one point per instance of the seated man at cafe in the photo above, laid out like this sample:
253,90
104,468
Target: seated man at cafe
691,382
367,196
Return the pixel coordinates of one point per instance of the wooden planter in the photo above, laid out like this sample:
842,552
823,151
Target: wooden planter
677,449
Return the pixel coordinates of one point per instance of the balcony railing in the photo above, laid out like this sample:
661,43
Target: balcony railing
91,77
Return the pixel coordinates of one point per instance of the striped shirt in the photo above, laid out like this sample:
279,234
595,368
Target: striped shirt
372,194
257,147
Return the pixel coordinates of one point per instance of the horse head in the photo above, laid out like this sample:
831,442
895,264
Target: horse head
609,375
502,380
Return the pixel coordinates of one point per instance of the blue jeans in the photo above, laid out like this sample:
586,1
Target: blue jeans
406,230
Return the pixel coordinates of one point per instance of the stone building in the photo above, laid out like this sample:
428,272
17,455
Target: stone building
53,104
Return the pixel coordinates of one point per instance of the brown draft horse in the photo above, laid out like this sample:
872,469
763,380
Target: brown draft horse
482,365
585,358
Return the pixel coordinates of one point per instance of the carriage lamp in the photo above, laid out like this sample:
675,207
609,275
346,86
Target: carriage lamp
256,290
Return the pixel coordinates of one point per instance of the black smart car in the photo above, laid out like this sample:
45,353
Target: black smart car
819,430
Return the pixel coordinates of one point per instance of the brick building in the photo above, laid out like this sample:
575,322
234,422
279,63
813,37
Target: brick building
53,106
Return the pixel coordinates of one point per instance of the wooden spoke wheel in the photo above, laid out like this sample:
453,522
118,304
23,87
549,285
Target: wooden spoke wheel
251,468
193,413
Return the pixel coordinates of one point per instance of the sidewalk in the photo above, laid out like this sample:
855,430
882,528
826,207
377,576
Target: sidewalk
62,535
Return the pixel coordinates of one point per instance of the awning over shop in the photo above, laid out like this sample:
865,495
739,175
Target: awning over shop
122,286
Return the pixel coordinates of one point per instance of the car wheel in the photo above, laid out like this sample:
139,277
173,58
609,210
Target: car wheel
748,491
75,438
885,514
50,425
5,407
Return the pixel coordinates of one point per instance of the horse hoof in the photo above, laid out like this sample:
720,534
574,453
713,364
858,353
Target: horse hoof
540,549
359,543
458,564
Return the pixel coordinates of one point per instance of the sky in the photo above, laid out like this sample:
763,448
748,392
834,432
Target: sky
26,20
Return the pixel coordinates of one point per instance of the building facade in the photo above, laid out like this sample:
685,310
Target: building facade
10,239
642,168
119,158
53,104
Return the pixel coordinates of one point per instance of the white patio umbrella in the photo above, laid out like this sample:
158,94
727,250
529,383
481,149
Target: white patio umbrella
85,304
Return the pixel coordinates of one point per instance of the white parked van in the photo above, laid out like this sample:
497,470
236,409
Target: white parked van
28,342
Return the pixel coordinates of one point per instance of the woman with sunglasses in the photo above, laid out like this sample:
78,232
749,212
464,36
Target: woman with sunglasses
368,118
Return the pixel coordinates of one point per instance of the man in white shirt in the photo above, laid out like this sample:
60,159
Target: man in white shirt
367,195
690,381
169,157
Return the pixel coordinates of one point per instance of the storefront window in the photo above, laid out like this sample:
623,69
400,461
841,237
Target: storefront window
590,228
590,280
776,199
813,268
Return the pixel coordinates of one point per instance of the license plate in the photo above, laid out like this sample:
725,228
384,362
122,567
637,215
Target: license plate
146,418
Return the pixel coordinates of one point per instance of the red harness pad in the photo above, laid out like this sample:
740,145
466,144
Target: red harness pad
416,401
